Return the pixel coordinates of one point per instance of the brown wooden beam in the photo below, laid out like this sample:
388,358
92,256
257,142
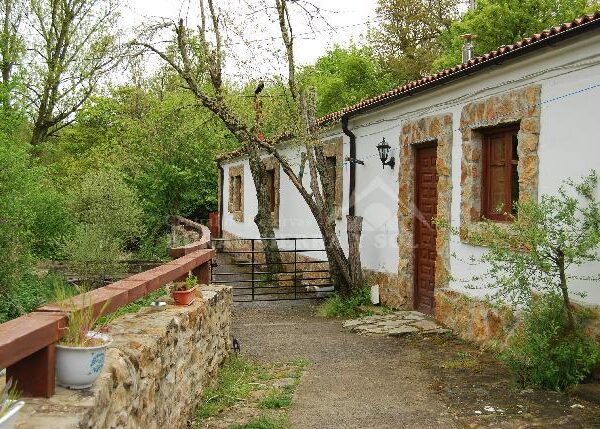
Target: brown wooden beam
34,375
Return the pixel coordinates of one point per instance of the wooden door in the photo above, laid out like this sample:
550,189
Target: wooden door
425,232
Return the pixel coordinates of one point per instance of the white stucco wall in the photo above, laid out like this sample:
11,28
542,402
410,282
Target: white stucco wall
569,147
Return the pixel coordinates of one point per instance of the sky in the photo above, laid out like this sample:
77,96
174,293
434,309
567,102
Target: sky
257,48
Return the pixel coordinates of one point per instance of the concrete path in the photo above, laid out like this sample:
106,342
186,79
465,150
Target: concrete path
354,381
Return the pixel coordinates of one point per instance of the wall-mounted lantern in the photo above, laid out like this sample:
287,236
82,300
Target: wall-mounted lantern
384,151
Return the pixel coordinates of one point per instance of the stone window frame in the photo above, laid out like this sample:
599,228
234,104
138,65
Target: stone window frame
271,163
521,106
415,133
335,147
234,171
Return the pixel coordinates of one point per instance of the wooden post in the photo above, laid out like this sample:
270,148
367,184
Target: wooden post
34,375
354,227
203,273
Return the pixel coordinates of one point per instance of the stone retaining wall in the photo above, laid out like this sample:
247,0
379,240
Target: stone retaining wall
155,372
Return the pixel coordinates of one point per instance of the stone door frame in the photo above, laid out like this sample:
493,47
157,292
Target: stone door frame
433,129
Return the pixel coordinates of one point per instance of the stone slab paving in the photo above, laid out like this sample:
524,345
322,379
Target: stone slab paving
396,324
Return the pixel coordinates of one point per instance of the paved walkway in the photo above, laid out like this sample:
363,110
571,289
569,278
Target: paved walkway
353,381
396,324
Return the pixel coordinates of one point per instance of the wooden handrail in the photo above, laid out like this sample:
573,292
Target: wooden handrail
27,344
202,243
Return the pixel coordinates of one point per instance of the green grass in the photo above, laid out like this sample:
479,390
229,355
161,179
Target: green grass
238,377
339,306
278,399
241,380
132,307
264,422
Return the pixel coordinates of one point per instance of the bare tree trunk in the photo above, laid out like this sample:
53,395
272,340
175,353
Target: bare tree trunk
354,228
264,218
565,292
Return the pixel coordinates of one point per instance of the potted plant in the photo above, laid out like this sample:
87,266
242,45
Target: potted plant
184,293
9,406
81,352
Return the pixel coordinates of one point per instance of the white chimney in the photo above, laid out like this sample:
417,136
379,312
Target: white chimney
468,50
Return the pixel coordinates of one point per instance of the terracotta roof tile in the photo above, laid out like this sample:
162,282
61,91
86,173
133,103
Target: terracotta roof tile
502,50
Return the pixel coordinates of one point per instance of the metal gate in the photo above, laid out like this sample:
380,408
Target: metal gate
303,273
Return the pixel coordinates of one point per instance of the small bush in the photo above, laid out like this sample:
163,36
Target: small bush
32,292
544,354
93,254
340,306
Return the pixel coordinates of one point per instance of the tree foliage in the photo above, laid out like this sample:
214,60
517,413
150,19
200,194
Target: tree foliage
72,45
538,250
345,76
501,22
406,40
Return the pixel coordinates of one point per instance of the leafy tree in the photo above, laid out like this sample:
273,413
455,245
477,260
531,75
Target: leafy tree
345,76
202,63
158,141
11,43
73,45
500,22
406,41
538,250
104,201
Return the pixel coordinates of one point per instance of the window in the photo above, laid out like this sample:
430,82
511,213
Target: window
331,162
500,187
237,194
270,179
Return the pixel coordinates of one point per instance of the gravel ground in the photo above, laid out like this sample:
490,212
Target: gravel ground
415,381
353,381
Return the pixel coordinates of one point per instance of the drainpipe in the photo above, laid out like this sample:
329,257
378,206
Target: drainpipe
221,184
351,198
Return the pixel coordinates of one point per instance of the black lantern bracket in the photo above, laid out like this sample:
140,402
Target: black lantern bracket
354,161
384,154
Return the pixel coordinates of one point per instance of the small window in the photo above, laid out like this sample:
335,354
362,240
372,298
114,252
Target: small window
500,188
237,193
270,179
331,162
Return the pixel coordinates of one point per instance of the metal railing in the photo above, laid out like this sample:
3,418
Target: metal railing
303,272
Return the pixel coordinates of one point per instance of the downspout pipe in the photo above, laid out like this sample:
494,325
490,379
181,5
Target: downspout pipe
221,185
352,197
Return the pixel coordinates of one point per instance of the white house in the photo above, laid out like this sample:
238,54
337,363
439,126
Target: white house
466,141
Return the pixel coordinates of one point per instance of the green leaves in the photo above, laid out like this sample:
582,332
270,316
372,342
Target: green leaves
501,22
544,354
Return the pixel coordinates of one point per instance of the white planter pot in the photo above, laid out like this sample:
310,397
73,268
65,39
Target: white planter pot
375,294
7,421
79,367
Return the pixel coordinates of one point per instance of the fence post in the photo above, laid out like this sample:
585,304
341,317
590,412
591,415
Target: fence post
295,268
252,265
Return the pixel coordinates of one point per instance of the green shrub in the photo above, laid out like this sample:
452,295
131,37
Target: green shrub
340,306
32,292
92,254
105,202
543,354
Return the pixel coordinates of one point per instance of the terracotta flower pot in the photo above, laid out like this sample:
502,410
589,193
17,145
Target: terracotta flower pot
184,297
